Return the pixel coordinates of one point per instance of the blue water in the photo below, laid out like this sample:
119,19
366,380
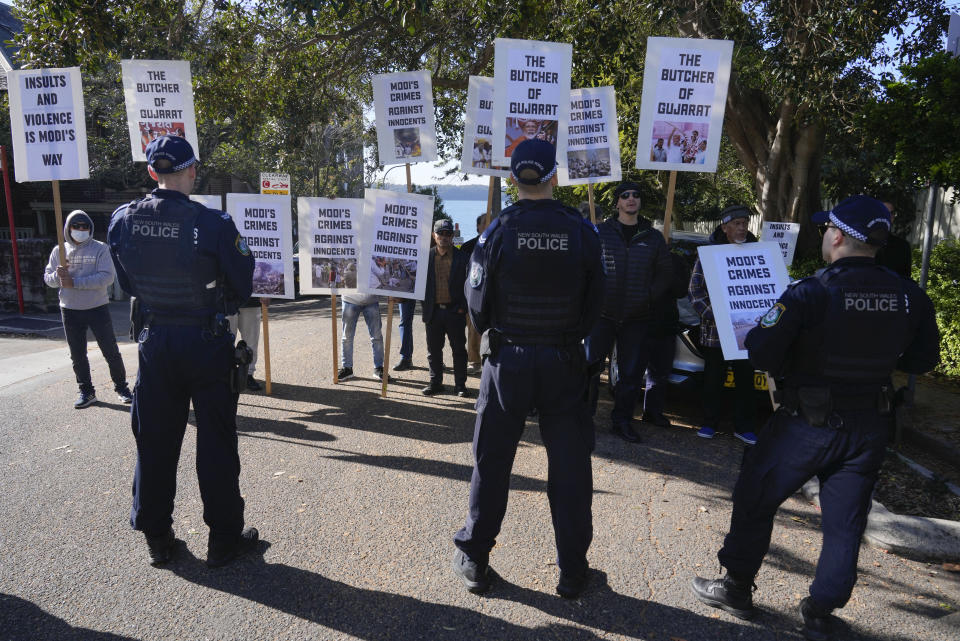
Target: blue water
464,213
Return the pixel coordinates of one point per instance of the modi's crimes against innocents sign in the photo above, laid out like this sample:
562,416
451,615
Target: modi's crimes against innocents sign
264,223
159,99
532,95
684,93
48,125
744,282
394,244
329,247
406,131
593,147
477,157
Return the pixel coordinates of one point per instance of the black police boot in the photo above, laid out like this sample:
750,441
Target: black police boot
817,622
220,552
161,548
733,595
571,585
476,576
624,430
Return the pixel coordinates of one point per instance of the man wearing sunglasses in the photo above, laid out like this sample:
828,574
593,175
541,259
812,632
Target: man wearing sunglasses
639,273
83,279
834,339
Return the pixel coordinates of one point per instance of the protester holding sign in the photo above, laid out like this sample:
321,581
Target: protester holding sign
190,268
732,229
834,338
639,272
534,288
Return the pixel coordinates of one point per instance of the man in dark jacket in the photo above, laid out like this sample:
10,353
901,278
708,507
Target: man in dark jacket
639,272
445,309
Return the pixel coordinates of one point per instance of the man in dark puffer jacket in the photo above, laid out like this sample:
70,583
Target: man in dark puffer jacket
639,272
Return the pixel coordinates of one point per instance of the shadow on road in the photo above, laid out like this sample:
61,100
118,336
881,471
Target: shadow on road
21,619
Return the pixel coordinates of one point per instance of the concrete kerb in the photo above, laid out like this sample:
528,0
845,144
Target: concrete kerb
914,537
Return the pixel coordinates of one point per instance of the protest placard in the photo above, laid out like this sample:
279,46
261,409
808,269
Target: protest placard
784,234
213,201
264,223
593,147
403,103
274,183
48,125
953,35
477,157
532,95
329,244
684,94
394,244
159,99
744,282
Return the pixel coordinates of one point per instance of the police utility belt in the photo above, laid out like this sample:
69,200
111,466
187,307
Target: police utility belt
819,405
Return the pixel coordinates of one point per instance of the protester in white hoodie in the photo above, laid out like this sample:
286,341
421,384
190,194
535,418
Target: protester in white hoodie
83,281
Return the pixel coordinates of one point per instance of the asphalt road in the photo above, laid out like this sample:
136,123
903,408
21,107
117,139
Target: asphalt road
357,499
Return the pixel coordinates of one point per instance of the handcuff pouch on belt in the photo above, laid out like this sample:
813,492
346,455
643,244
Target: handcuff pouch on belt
814,404
242,355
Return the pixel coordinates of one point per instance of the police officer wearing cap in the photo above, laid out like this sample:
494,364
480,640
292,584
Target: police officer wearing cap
533,288
639,273
189,268
834,339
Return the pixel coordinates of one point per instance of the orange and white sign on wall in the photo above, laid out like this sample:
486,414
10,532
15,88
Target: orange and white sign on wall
271,183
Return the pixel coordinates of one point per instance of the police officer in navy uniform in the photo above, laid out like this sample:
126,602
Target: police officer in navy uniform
834,339
189,268
533,288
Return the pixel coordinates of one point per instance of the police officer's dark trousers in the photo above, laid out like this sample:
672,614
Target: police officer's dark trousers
514,381
179,364
788,453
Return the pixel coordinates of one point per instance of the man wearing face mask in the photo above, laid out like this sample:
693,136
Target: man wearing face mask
83,280
732,229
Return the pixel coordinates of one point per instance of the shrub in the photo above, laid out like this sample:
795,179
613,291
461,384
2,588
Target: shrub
943,287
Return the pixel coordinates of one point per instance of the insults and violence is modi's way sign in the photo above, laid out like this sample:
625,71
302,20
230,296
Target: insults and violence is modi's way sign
264,223
593,148
477,157
744,282
531,96
395,244
48,124
684,93
159,98
329,244
406,131
784,234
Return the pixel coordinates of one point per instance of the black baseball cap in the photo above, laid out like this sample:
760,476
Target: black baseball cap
861,217
533,162
444,224
169,154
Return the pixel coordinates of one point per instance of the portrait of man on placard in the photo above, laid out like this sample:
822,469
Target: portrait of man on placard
407,141
520,129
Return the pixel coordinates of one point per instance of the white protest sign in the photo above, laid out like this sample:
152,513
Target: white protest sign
48,124
953,35
744,282
406,131
478,137
532,95
593,148
684,94
213,201
784,234
273,183
159,98
395,244
329,244
264,223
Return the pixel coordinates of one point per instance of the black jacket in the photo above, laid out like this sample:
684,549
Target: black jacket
458,276
664,317
639,271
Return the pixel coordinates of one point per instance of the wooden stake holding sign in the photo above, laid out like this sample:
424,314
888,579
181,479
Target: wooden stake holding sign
593,207
390,302
264,302
668,214
58,214
333,334
490,201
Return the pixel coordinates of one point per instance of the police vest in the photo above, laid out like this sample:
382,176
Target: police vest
864,330
159,254
539,275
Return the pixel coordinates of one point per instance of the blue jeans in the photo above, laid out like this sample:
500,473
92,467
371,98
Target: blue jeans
75,325
406,328
371,314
